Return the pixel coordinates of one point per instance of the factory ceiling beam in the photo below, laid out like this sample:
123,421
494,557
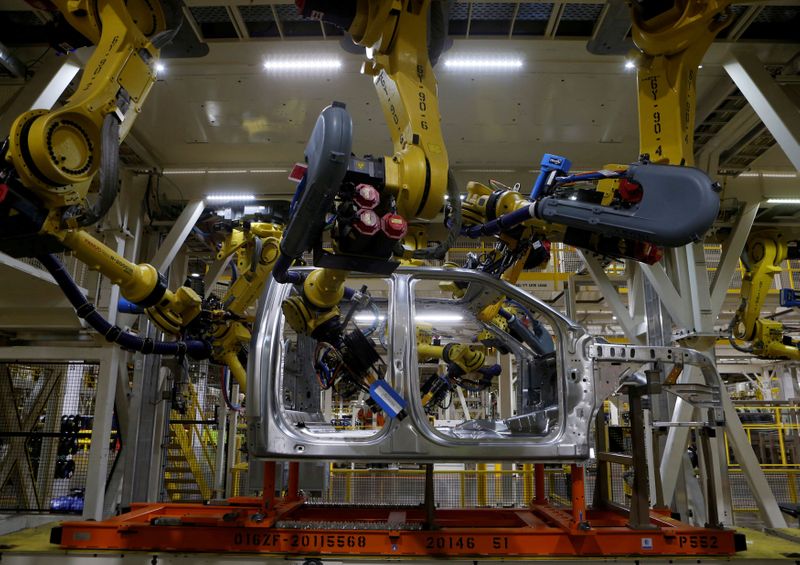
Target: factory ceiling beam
633,326
732,249
731,133
177,235
43,90
11,63
775,108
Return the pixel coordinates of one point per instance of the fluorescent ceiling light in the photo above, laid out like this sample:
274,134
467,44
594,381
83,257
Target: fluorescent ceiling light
160,67
230,197
196,275
783,200
750,174
304,64
488,170
630,65
427,317
438,317
369,318
184,171
222,171
483,63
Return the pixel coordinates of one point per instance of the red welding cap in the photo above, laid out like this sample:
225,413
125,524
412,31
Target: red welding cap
367,196
298,172
394,226
366,222
630,191
648,253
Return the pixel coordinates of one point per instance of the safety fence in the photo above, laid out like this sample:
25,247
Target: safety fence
484,485
191,451
773,430
46,415
565,260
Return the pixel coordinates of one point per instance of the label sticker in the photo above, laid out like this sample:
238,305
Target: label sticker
387,398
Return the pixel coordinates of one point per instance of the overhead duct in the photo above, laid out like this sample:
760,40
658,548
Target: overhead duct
10,63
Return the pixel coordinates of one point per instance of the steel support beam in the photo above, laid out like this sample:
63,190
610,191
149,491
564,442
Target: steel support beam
555,18
731,133
610,34
678,308
43,90
215,271
695,293
11,63
768,99
732,249
632,326
177,235
743,22
762,493
94,500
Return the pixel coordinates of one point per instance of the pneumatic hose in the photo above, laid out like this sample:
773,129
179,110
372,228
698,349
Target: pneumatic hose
196,349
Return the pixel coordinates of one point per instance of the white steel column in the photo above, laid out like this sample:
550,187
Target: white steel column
633,325
694,305
769,100
214,273
94,499
732,249
42,91
177,235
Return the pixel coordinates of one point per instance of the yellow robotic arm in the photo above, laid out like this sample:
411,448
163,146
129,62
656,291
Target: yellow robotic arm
255,246
395,34
415,178
765,252
55,155
673,40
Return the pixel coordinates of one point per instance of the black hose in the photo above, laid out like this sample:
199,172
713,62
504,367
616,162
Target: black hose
109,176
173,19
439,251
438,21
196,349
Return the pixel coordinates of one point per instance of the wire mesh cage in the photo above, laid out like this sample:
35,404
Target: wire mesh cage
190,449
469,486
192,441
45,434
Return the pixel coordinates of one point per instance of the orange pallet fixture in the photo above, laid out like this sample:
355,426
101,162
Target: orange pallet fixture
288,526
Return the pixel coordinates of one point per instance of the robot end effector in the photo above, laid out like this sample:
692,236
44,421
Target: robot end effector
630,213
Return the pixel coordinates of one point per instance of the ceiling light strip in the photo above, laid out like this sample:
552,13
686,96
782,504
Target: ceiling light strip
775,175
223,171
305,64
234,197
783,200
483,63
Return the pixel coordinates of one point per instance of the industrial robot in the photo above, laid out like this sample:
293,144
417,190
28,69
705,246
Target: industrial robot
366,204
764,253
53,159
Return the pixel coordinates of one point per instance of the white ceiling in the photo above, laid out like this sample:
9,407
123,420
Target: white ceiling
225,111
